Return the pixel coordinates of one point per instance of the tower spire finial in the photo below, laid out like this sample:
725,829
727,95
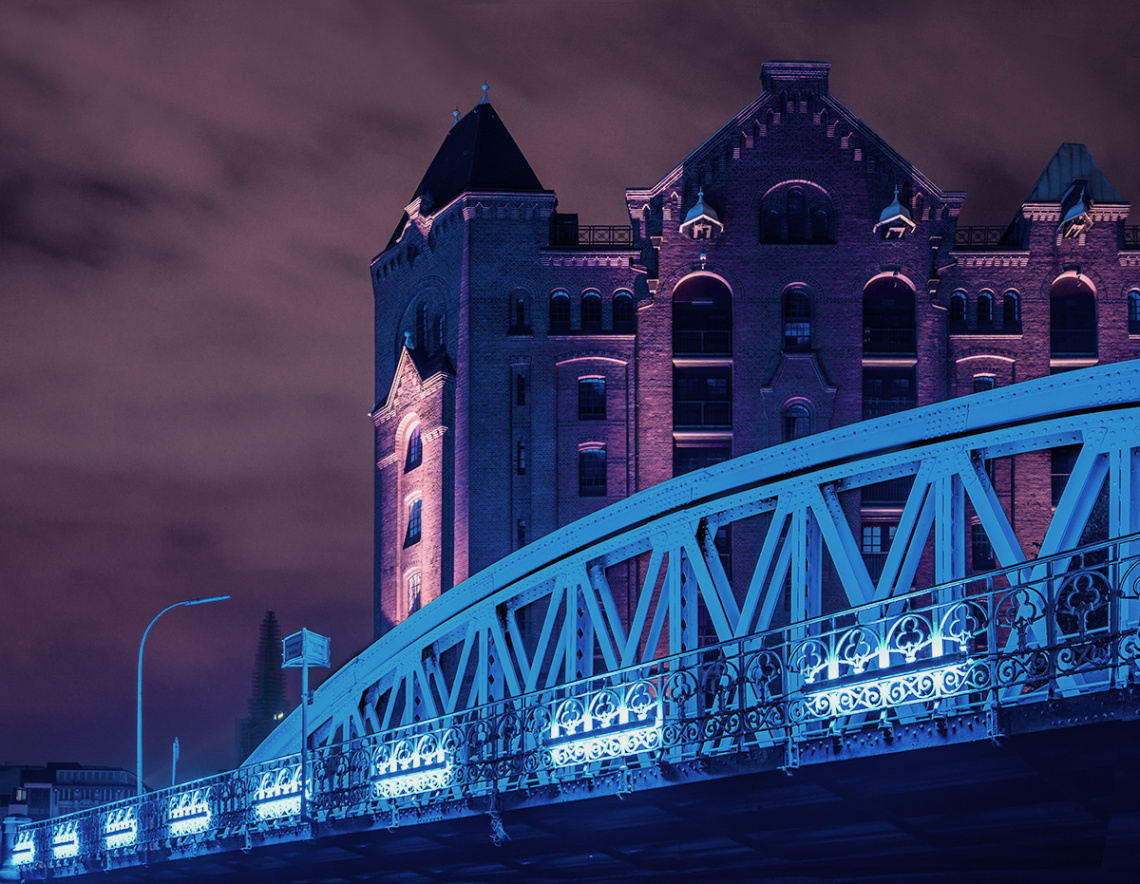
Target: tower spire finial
455,113
483,100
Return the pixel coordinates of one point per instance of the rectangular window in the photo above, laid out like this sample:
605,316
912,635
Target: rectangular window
521,533
521,459
983,383
591,399
414,513
520,389
702,397
888,391
697,456
592,472
982,552
877,539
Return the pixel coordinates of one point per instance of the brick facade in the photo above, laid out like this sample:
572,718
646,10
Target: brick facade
792,275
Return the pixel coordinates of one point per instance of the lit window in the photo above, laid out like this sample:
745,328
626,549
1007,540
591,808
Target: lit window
414,513
797,422
592,472
413,592
415,449
591,399
559,311
591,312
797,320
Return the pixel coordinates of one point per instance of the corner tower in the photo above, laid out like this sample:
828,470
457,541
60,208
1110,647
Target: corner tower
478,206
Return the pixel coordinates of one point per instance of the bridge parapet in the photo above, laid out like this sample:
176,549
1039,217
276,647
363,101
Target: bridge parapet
964,650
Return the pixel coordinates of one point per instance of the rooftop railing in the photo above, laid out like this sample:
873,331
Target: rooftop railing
599,236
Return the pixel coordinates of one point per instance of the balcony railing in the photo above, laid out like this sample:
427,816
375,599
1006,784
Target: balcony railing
702,414
1072,342
600,236
881,407
715,342
888,342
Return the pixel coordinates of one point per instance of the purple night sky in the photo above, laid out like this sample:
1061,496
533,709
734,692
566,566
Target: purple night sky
190,194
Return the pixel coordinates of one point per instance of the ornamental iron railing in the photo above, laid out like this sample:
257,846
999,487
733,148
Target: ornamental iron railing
593,236
1013,637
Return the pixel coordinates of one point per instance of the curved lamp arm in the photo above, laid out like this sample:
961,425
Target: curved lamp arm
142,644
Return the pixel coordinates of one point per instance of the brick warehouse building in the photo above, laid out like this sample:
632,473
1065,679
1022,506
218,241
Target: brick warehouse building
791,275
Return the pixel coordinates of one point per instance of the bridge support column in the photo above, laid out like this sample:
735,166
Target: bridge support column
12,826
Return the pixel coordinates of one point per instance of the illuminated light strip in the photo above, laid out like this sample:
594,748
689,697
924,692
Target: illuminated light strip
65,842
882,693
598,746
424,780
275,808
24,850
120,830
188,817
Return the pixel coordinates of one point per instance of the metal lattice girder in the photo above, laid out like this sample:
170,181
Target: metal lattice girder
471,646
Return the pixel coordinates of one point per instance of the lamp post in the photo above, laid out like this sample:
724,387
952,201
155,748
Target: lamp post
142,644
300,650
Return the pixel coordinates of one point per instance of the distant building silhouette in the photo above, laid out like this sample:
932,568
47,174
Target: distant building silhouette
793,274
60,787
267,698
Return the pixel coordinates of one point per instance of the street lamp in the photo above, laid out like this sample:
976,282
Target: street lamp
142,644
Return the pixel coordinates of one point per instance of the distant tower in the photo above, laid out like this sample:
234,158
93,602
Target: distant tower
267,698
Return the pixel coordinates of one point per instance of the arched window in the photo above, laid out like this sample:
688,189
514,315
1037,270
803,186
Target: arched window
414,585
559,312
1010,309
702,317
797,422
797,320
983,383
520,312
592,471
415,511
796,215
1072,318
591,312
623,313
771,225
888,317
415,449
985,309
821,225
1134,312
422,326
958,307
440,331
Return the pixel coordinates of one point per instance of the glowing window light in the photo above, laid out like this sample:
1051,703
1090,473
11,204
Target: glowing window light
65,841
607,724
407,767
24,850
189,814
889,690
279,794
121,828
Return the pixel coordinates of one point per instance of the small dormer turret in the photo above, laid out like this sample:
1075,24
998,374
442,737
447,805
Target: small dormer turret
701,221
894,221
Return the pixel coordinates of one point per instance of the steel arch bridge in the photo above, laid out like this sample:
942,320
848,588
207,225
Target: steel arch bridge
620,654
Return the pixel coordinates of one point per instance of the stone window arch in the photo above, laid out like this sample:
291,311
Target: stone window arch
985,308
591,312
559,312
797,420
797,310
1010,309
958,307
623,312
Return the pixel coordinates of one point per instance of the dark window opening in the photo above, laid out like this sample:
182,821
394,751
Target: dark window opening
591,312
796,213
592,472
591,399
1134,313
702,397
958,308
415,449
1011,312
888,318
876,545
520,458
559,313
623,313
797,422
1072,319
520,389
982,553
887,391
414,601
797,320
702,317
984,383
697,456
985,309
1062,462
521,533
415,509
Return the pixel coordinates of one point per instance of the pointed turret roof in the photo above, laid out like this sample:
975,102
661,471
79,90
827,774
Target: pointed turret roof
477,154
1072,162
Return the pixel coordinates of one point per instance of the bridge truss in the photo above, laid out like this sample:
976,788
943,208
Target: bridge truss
624,652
